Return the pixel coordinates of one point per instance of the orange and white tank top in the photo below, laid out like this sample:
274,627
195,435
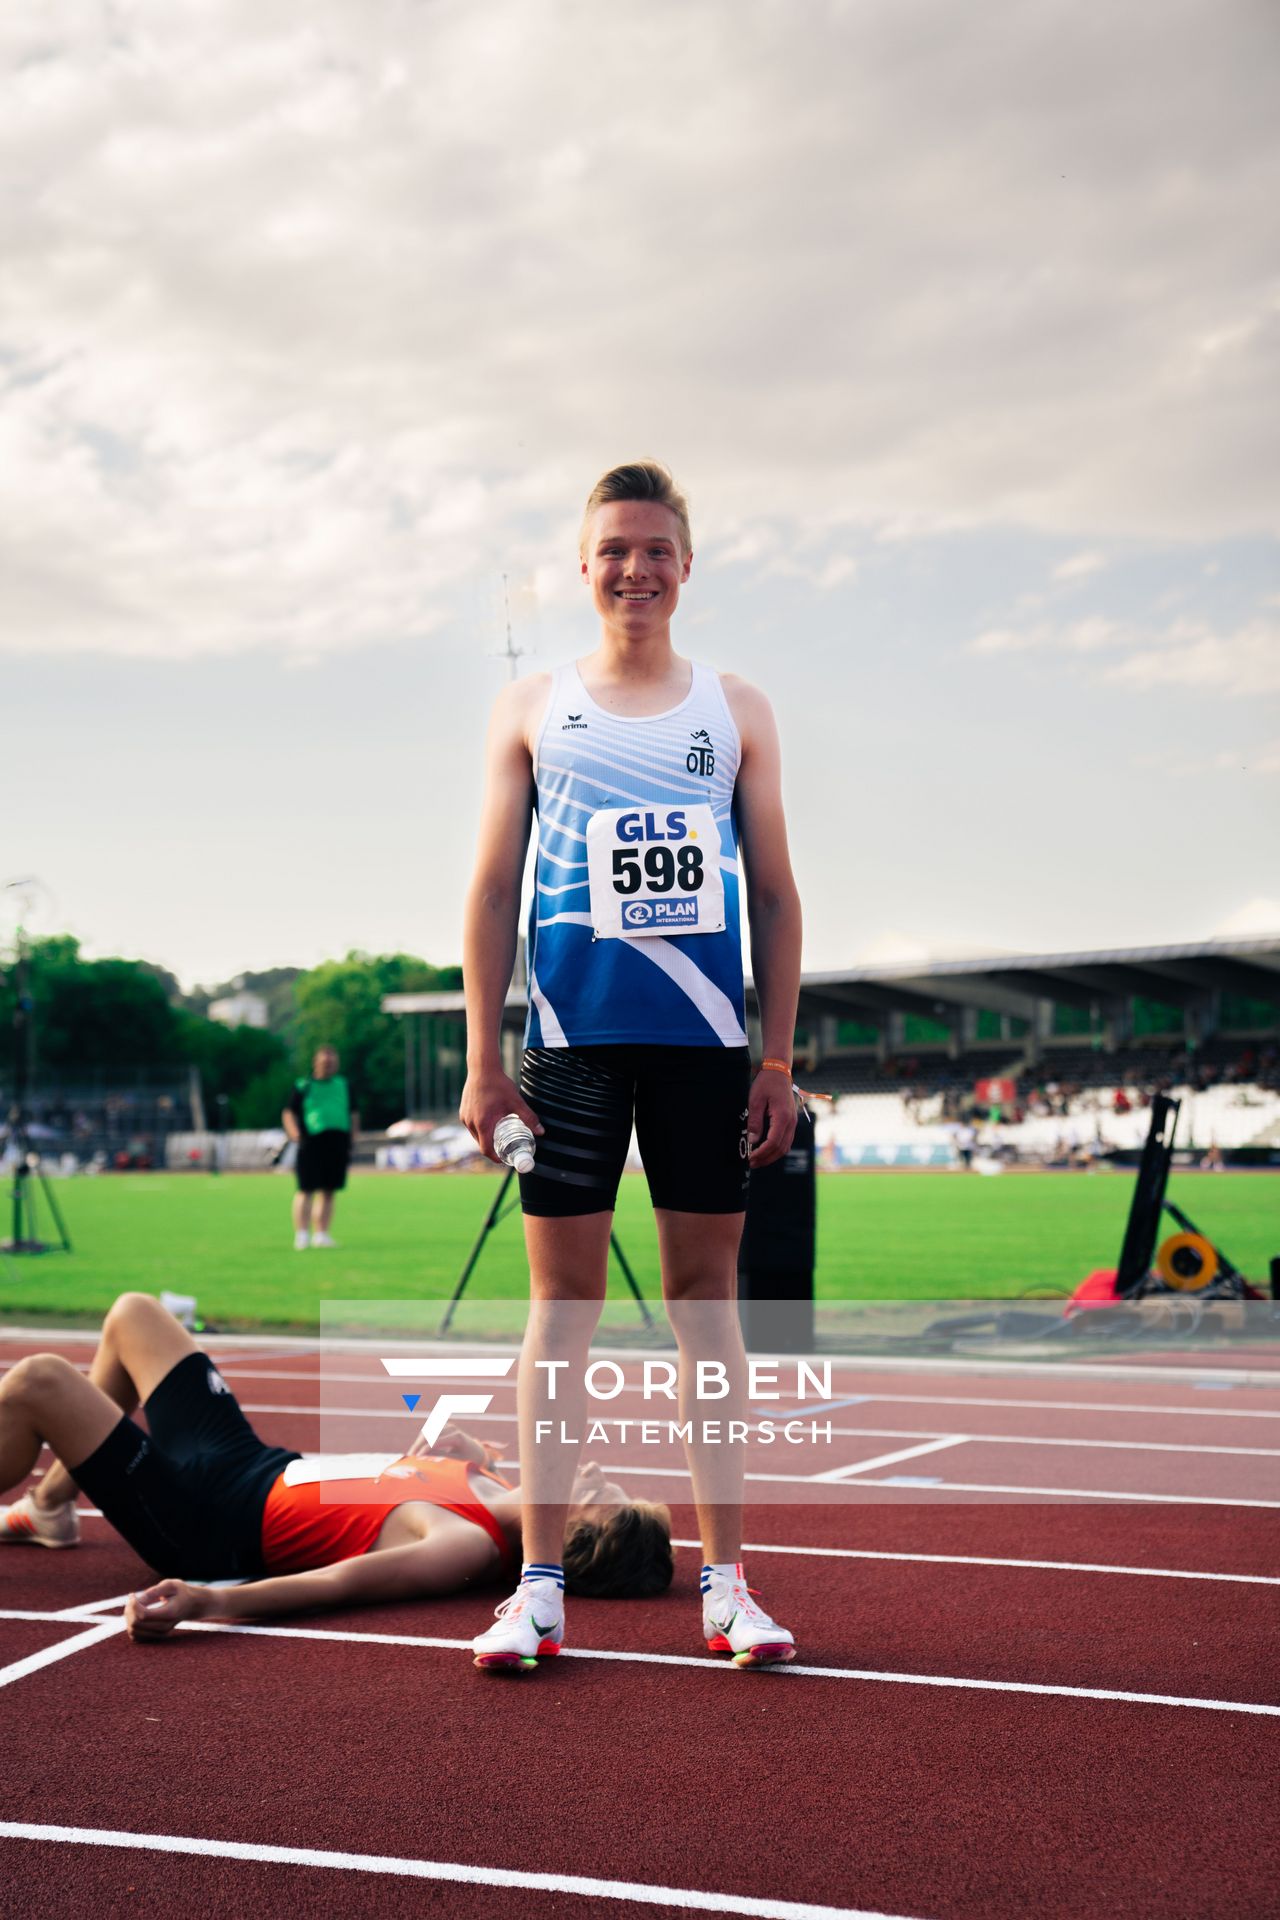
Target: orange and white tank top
319,1521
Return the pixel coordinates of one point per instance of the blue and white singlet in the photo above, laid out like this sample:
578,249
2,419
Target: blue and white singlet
665,843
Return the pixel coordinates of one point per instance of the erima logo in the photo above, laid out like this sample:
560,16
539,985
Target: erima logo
574,720
701,759
431,1368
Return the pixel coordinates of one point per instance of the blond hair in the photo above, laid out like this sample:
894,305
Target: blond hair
639,480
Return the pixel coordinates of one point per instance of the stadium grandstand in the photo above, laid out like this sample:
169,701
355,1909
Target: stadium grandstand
117,1118
1050,1059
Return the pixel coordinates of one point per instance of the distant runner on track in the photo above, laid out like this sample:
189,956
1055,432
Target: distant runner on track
657,787
199,1495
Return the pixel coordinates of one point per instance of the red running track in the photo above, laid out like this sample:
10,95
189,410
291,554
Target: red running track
810,1788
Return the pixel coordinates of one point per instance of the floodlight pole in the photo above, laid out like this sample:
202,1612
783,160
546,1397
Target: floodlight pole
511,653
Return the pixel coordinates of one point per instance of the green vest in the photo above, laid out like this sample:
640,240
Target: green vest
326,1105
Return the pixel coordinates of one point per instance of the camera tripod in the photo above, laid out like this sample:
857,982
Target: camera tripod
29,1185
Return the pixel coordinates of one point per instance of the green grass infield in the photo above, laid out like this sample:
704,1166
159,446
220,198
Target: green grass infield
890,1236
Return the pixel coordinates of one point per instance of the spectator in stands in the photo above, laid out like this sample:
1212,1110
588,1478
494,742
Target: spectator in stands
322,1120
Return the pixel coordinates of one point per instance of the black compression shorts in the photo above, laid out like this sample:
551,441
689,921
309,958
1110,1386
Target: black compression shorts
187,1494
322,1161
689,1108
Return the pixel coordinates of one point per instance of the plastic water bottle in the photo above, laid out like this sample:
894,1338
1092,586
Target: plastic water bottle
513,1143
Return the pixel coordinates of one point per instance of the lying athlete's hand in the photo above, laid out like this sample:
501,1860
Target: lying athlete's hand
771,1116
488,1098
156,1611
454,1444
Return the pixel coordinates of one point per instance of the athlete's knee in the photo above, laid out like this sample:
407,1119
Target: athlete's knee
127,1308
695,1282
37,1378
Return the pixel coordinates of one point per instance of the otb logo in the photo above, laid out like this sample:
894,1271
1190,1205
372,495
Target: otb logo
448,1404
701,758
637,913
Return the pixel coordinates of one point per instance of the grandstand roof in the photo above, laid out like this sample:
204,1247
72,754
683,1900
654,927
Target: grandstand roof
1001,983
1012,982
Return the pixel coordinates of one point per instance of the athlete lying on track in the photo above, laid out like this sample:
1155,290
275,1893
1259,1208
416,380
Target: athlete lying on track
200,1495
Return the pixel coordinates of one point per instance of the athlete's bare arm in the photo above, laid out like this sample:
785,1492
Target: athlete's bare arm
493,907
773,913
454,1554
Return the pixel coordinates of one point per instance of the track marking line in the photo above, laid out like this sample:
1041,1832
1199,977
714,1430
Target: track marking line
1071,1406
641,1470
284,1346
326,1378
692,1899
820,1408
19,1669
986,1560
836,1474
628,1658
1063,1493
90,1607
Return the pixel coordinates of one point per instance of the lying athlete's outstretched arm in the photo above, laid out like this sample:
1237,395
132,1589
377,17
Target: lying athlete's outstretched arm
443,1563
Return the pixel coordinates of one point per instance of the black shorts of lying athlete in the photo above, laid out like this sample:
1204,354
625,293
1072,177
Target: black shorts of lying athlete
688,1106
188,1493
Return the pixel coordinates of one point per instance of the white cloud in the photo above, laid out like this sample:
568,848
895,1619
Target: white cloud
1188,653
1241,663
1079,566
1009,639
311,313
1258,919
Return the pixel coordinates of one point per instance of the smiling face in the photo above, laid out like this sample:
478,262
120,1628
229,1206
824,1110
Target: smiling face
634,562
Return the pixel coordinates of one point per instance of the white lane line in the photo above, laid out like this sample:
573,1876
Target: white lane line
817,1410
50,1619
19,1669
1059,1493
988,1560
326,1378
720,1666
642,1893
83,1608
840,1474
641,1470
962,1366
1070,1406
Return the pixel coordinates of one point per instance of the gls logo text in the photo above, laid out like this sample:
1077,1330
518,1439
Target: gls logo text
449,1404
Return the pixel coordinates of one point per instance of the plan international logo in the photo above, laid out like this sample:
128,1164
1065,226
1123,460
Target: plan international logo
677,914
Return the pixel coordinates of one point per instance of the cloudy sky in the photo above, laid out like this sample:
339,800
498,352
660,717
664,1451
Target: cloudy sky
958,323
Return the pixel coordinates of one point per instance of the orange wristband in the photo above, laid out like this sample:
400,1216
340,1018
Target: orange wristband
777,1066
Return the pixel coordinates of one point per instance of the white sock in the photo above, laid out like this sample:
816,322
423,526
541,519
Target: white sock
543,1570
727,1570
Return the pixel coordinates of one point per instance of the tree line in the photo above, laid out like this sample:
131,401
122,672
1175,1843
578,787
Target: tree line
96,1017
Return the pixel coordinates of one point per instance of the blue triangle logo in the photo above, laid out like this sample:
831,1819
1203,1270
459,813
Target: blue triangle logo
411,1400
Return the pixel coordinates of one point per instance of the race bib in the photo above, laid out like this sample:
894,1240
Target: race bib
654,870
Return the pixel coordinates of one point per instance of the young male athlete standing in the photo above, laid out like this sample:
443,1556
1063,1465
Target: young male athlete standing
656,783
